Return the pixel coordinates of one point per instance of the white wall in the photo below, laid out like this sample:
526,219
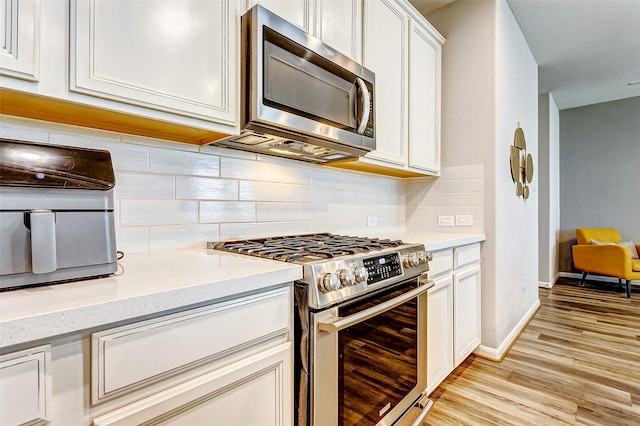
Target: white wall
172,195
489,87
599,171
549,189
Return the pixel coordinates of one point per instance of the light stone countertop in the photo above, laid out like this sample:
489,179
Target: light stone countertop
432,240
145,284
151,283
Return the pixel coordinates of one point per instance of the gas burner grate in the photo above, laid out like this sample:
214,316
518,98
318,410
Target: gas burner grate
307,247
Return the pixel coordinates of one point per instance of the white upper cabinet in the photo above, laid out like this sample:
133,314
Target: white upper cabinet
295,11
20,39
404,52
385,53
176,56
339,24
424,100
336,23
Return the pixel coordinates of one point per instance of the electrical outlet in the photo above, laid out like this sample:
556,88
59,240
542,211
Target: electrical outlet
446,221
464,220
524,283
372,220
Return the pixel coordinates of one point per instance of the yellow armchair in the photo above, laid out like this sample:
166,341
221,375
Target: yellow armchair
606,259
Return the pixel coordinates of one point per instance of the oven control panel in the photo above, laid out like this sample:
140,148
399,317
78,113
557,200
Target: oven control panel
382,267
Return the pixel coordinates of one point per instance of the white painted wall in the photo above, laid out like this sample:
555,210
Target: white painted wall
599,172
549,189
172,195
489,86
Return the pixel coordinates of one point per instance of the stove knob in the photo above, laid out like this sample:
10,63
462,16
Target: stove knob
422,257
329,282
410,260
347,277
361,274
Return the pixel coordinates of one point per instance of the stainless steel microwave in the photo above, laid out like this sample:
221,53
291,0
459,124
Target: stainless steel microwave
299,97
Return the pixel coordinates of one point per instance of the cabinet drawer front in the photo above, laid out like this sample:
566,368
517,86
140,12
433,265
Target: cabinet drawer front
126,357
442,262
25,386
466,254
253,391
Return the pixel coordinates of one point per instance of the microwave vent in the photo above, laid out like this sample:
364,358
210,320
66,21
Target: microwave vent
306,148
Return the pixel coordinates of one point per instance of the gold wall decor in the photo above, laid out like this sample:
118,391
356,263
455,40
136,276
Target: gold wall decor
521,164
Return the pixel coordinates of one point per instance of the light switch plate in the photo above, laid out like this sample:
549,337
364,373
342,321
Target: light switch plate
446,221
464,220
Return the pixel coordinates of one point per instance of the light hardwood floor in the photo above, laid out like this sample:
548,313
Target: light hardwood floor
577,362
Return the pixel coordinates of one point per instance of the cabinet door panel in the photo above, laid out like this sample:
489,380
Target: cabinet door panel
122,356
466,287
25,386
385,50
20,38
254,391
176,56
440,332
423,101
294,11
339,24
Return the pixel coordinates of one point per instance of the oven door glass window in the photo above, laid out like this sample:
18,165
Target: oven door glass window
377,359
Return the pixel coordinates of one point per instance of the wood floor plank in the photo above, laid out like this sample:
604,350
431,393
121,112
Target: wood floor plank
576,363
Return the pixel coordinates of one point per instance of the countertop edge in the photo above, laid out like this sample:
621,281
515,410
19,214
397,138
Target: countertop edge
20,331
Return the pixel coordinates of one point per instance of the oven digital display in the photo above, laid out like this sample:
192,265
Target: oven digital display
382,267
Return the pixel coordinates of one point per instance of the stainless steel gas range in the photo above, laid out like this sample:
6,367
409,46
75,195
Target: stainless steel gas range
360,329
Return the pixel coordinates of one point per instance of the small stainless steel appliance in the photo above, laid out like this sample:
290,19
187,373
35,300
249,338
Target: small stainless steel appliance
360,326
300,98
56,214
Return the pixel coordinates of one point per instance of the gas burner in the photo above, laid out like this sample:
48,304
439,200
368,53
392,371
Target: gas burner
308,247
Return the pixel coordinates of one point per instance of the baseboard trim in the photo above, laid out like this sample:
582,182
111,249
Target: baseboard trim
602,278
545,284
497,355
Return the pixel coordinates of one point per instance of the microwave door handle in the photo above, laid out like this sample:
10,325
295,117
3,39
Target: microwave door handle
366,100
340,323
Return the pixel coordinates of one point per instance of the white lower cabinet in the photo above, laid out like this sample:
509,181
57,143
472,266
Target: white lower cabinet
454,315
466,294
440,332
254,391
25,386
228,363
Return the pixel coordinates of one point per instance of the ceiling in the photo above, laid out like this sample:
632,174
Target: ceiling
588,51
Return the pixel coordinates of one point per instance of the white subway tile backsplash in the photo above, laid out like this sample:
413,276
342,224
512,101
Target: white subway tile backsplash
299,194
453,173
476,171
227,211
277,212
262,191
124,156
235,168
144,185
202,188
171,195
233,231
184,163
291,228
289,174
226,152
132,239
157,212
188,236
470,199
25,130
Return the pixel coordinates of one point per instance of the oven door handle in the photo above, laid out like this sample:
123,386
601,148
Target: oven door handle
340,323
